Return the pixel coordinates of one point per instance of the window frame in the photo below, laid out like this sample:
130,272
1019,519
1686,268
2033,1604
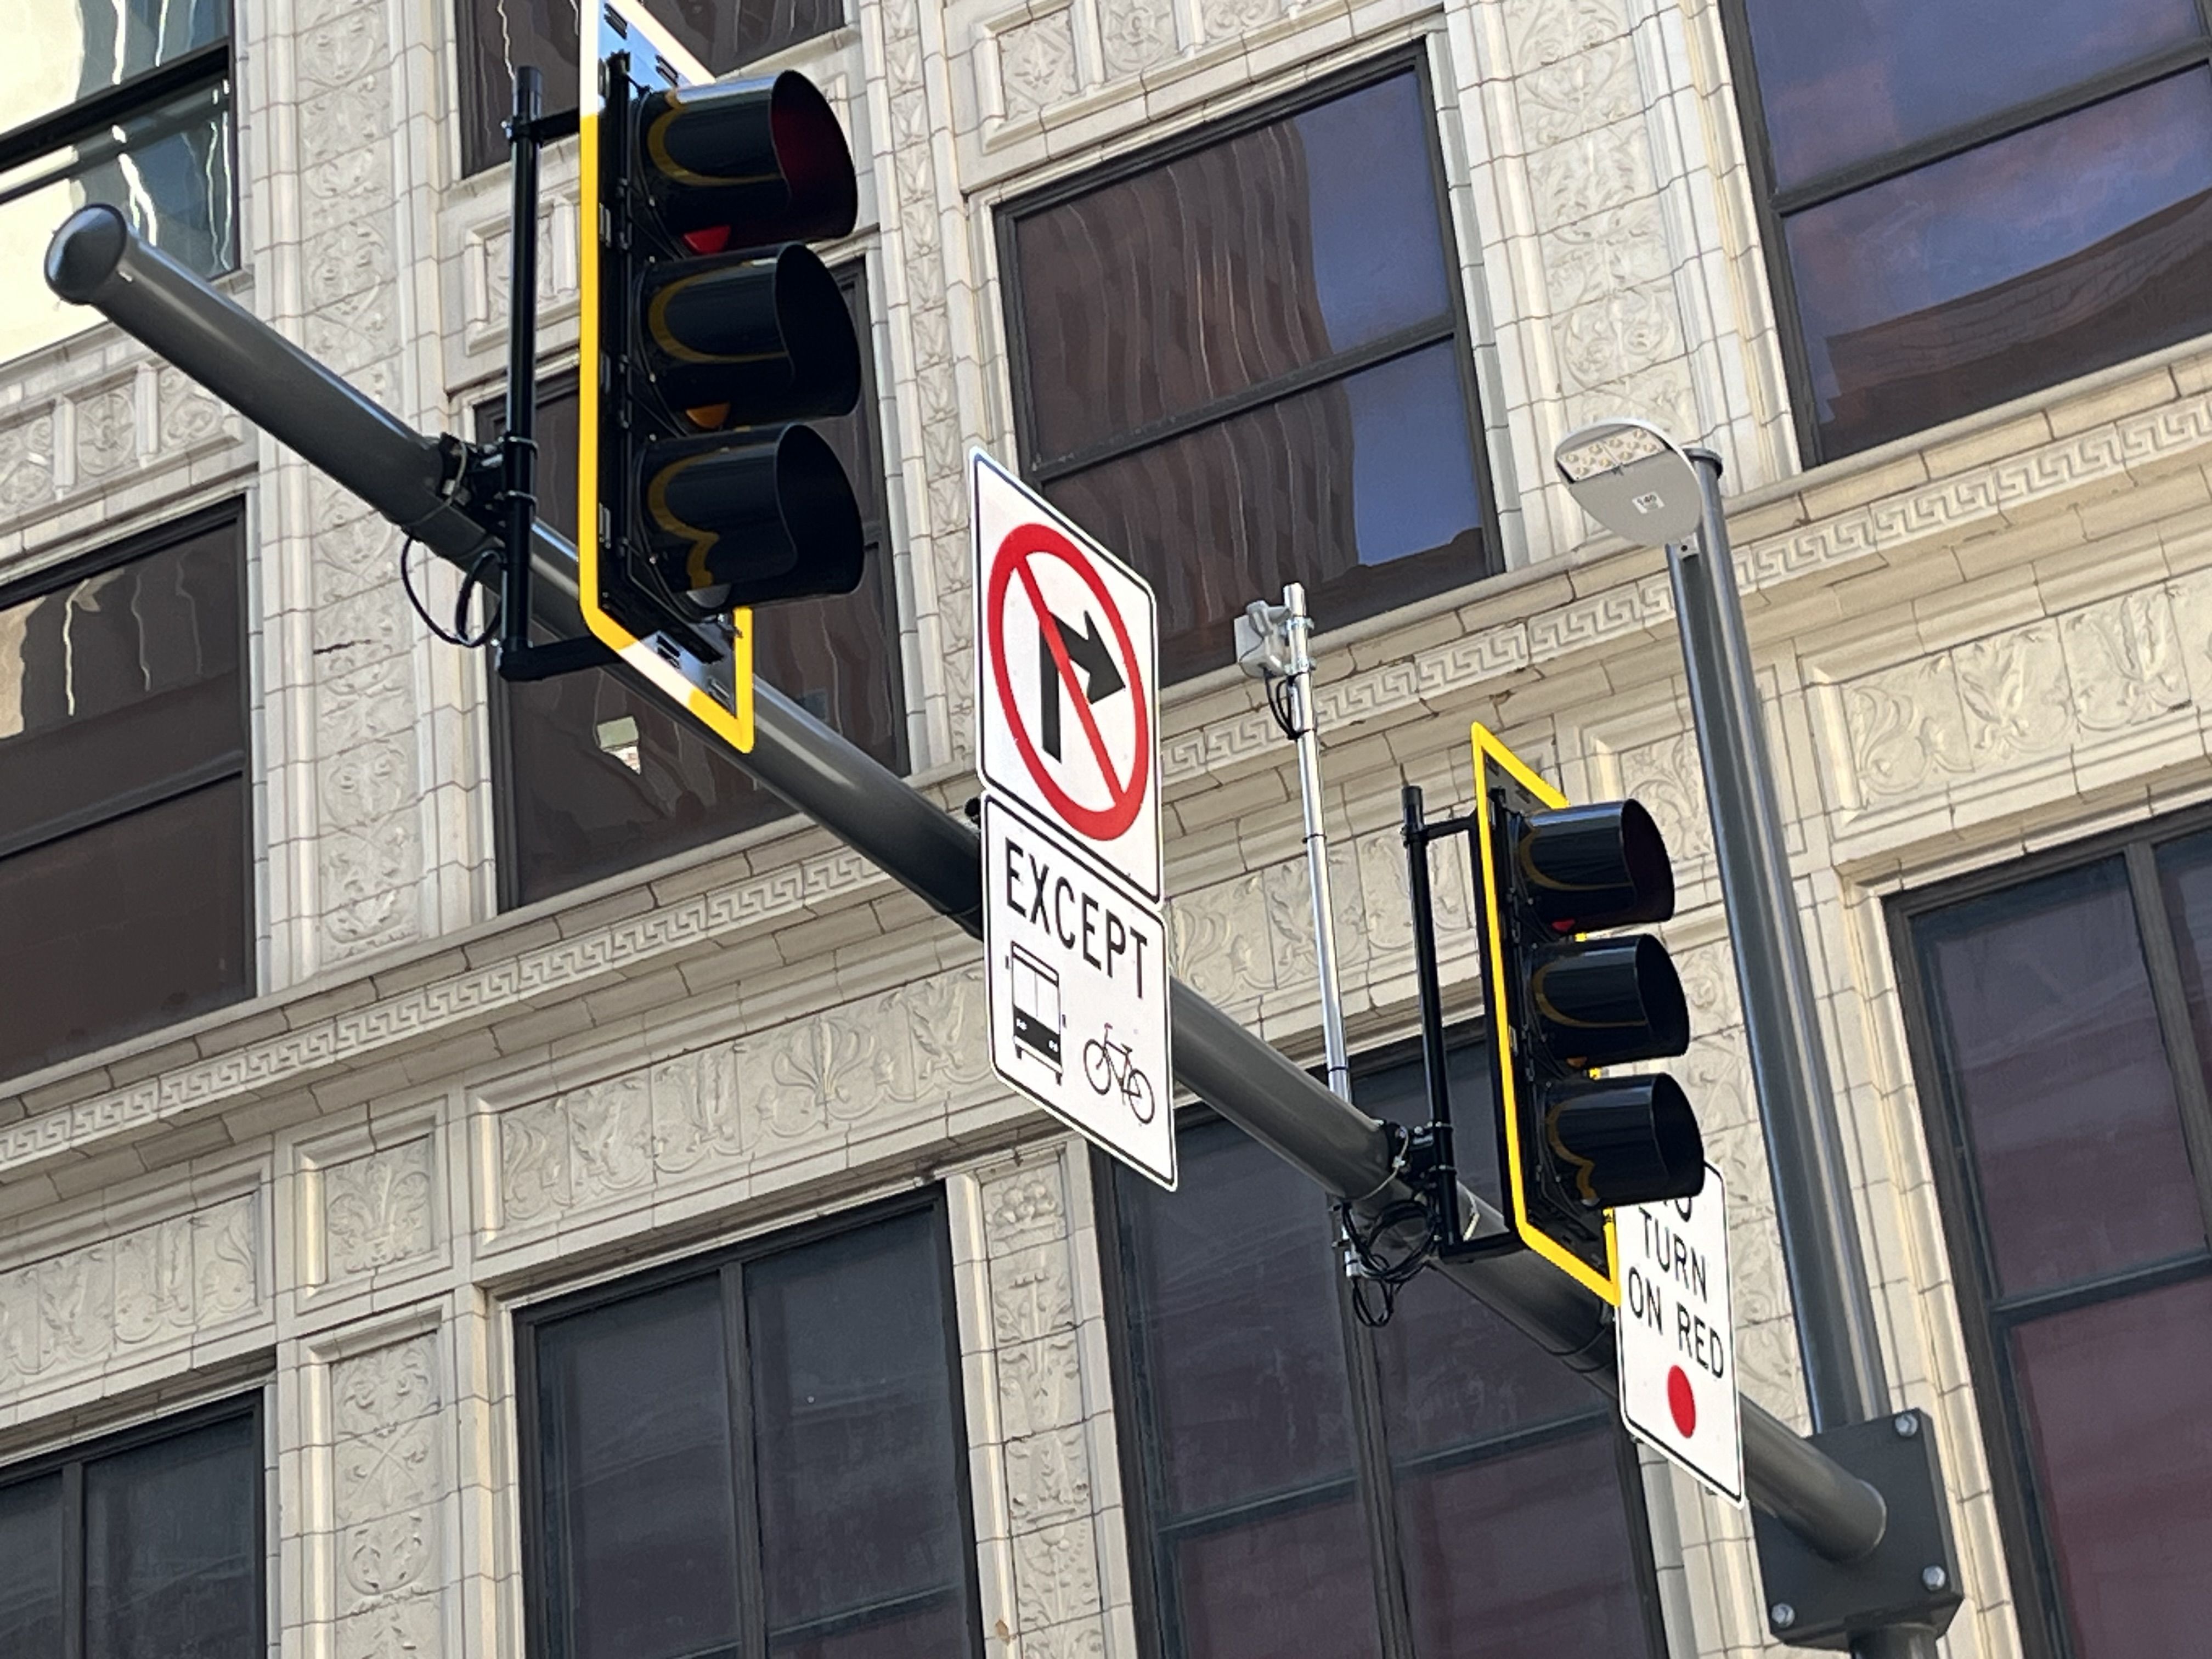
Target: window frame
1375,1472
1774,205
727,1264
1455,327
1988,1319
70,1460
234,764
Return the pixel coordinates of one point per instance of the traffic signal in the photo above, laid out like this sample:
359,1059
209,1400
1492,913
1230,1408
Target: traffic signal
710,331
1574,1143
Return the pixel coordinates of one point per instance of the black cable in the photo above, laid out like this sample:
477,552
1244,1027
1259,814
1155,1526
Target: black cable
459,634
1279,704
1389,1275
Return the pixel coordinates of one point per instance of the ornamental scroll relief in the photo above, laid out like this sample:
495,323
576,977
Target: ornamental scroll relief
2122,671
1045,1446
154,1288
388,1486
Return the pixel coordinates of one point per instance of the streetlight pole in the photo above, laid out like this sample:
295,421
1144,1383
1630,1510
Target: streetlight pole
1631,478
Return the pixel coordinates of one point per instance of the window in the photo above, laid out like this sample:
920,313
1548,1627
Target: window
124,813
1241,362
148,1543
756,1457
498,35
1439,1489
597,777
128,104
2062,1023
1968,200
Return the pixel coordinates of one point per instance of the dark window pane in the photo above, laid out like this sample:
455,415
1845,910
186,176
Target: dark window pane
83,49
1453,1374
31,1569
117,681
1841,83
1227,268
173,1547
1236,1319
601,778
498,35
2044,1026
856,1447
168,169
2185,869
1364,490
1290,1584
1525,1554
2118,1402
132,924
641,1525
2072,246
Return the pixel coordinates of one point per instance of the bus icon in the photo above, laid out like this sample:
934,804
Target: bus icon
1035,992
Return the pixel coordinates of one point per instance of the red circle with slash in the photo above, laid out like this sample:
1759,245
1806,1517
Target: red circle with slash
1013,563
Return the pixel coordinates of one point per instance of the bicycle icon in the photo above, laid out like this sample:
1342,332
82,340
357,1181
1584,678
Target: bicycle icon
1107,1066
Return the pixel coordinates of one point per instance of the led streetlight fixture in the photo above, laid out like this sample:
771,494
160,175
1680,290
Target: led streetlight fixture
1630,478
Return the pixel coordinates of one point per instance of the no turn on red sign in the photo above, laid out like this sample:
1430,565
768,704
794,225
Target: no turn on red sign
1676,1334
1074,944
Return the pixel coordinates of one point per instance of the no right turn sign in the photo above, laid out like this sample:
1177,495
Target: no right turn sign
1676,1334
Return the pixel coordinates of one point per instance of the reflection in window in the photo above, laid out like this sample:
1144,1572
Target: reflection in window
764,1457
499,36
1979,198
149,1544
129,104
597,777
2068,1094
1272,1434
1241,365
123,798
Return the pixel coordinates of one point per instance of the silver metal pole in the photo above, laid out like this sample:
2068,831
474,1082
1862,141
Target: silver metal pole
1837,1339
1836,1330
1298,626
403,475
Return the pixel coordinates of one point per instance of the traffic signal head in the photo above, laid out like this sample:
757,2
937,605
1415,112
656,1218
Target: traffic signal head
1574,1144
710,333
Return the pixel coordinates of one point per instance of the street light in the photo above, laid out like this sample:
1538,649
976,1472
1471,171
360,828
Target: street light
1638,483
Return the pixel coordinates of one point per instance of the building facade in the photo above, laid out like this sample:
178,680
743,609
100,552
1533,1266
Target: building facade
478,1178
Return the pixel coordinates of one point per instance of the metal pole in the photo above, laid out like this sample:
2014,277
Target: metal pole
1837,1339
519,442
1297,627
1836,1330
912,838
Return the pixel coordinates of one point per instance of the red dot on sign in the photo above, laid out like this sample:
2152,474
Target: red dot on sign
1681,1402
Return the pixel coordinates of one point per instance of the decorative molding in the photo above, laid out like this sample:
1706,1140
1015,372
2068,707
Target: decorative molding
389,1484
913,193
75,439
1050,1488
2012,700
100,1306
379,1210
470,997
1035,60
367,781
773,1096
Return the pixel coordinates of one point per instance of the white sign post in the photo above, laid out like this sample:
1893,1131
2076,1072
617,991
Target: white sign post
1676,1334
1075,950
